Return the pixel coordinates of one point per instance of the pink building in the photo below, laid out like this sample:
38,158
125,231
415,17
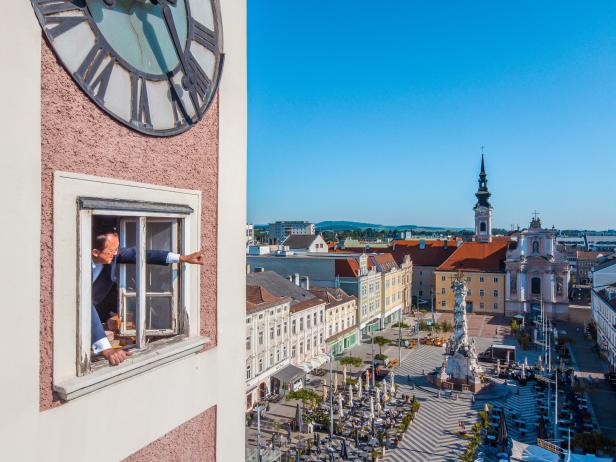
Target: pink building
536,274
148,142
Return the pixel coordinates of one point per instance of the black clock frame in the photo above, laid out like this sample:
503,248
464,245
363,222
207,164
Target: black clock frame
82,76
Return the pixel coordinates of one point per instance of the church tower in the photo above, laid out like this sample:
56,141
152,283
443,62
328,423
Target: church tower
483,209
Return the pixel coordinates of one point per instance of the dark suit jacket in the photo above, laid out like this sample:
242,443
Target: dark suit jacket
109,276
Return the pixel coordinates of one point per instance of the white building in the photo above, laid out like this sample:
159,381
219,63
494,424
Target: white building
604,308
537,274
250,234
305,243
267,340
280,230
306,318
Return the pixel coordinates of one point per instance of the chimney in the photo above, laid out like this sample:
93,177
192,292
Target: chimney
306,282
290,278
446,244
422,244
296,277
459,242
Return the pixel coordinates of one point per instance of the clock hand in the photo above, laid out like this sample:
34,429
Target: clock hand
187,79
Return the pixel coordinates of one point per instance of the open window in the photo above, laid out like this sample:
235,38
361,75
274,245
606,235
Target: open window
152,306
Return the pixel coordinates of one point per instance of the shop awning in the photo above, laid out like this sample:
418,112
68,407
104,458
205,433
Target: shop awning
289,374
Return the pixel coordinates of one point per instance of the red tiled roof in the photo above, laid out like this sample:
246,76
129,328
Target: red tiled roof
434,253
258,297
383,261
478,257
347,267
332,296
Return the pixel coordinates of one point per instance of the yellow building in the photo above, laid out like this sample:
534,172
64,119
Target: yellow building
483,265
392,286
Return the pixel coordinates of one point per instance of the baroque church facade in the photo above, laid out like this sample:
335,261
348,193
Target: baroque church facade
537,274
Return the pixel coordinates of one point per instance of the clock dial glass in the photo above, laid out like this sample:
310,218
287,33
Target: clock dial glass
137,32
154,66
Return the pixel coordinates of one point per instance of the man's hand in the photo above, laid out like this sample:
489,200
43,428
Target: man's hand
193,259
115,356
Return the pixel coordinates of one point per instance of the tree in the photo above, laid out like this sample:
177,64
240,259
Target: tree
309,398
351,361
381,342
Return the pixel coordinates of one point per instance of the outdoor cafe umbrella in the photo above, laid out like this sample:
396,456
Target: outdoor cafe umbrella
343,450
367,380
378,408
298,418
502,439
378,394
324,389
340,409
336,382
350,395
344,375
523,372
359,390
393,383
371,407
384,387
498,367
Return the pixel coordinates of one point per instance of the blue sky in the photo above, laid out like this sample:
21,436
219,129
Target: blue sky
376,111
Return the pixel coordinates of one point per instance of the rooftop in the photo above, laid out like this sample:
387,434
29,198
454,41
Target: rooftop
478,257
276,285
259,298
332,296
299,241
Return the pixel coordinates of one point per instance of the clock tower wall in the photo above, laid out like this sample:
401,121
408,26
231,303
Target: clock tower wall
186,409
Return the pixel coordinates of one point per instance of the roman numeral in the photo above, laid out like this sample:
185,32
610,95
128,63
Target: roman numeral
179,111
200,82
140,112
91,67
50,9
203,36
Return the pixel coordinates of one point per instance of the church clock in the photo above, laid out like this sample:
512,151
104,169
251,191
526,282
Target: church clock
153,65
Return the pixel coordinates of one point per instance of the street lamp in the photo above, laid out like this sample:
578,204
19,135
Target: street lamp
259,408
372,353
331,395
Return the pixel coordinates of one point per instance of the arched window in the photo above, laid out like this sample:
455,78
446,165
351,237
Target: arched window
482,227
535,286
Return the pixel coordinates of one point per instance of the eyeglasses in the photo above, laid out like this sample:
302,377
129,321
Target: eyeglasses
112,252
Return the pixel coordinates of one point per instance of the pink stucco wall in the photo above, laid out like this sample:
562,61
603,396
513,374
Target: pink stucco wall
193,441
77,136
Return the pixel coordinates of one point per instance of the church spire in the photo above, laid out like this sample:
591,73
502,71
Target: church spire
483,195
483,208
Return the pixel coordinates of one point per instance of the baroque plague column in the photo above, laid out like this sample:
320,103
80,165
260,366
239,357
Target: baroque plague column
460,369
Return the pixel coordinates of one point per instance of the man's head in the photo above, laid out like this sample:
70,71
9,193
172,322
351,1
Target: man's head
104,247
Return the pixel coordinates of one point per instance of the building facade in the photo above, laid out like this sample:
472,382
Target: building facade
70,164
392,287
483,268
306,316
267,340
604,309
341,330
537,274
305,243
280,230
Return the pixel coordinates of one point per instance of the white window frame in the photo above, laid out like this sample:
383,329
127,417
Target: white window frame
73,374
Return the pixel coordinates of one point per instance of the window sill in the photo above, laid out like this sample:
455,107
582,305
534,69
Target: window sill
138,363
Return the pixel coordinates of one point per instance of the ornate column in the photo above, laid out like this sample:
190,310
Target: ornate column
508,285
565,276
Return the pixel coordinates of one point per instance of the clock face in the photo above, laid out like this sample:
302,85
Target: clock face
153,65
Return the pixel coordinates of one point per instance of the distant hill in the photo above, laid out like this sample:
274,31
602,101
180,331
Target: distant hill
350,225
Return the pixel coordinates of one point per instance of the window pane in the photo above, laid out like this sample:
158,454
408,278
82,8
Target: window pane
130,316
158,312
130,240
159,236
